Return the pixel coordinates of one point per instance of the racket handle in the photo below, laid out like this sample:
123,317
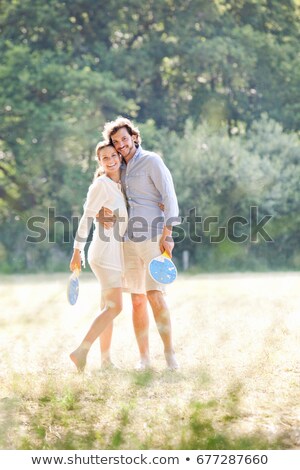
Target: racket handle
165,254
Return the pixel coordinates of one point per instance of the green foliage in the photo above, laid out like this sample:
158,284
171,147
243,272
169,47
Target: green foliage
224,177
204,427
197,76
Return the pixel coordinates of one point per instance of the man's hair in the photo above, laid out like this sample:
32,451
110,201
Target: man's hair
111,127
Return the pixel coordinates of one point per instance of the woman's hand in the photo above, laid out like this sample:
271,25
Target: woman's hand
75,263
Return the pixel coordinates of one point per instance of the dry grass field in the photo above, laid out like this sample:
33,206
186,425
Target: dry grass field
237,340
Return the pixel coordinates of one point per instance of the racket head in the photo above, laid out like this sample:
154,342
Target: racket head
162,269
73,288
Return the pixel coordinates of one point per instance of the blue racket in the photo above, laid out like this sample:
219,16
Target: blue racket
162,269
73,287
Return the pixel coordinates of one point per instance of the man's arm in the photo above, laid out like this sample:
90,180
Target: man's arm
166,242
163,182
106,217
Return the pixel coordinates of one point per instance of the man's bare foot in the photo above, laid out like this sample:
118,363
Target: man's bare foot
142,365
79,358
171,361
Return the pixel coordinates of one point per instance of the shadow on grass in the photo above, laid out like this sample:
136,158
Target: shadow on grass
70,441
209,423
143,378
213,425
202,432
64,421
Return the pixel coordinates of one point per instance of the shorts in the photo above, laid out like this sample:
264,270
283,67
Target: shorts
137,256
108,278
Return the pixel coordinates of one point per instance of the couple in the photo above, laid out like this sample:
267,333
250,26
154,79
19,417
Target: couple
146,232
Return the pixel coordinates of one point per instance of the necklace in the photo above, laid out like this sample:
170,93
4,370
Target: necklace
117,182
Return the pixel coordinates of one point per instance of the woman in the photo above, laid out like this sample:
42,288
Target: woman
105,252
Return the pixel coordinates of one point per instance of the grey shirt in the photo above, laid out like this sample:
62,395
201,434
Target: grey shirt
146,181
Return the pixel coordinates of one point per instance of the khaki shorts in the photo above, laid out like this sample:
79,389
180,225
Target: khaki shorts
137,256
108,278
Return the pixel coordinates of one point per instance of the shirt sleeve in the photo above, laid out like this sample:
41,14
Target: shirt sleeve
163,182
96,198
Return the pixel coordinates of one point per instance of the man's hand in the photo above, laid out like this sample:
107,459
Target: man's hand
166,242
106,217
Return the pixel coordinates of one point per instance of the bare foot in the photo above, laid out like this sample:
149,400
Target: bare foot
108,365
79,358
142,365
171,361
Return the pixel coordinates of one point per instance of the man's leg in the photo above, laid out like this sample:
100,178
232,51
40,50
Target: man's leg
135,284
163,322
140,320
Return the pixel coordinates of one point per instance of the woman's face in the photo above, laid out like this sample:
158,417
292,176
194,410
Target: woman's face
109,159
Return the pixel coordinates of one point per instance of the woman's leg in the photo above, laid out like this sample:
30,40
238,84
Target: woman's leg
113,306
105,342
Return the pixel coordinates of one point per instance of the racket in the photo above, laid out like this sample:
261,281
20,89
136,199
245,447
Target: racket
73,287
162,269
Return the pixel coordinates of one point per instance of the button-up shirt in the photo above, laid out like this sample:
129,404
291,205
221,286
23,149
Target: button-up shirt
146,181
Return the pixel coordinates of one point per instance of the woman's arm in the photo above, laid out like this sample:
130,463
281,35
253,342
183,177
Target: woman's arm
96,197
75,263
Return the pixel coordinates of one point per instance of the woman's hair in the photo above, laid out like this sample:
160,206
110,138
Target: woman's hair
99,171
111,127
101,145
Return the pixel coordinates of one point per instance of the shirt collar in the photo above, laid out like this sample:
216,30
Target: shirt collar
137,153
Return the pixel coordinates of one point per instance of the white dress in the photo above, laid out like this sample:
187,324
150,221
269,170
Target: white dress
106,247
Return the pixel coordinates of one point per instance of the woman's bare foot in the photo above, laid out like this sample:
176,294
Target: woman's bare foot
79,358
107,364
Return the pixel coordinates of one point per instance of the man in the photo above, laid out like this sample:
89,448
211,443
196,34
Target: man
147,183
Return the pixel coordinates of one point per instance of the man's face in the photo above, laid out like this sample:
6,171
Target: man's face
124,143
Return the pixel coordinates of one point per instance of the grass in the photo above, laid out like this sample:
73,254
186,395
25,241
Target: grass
237,340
